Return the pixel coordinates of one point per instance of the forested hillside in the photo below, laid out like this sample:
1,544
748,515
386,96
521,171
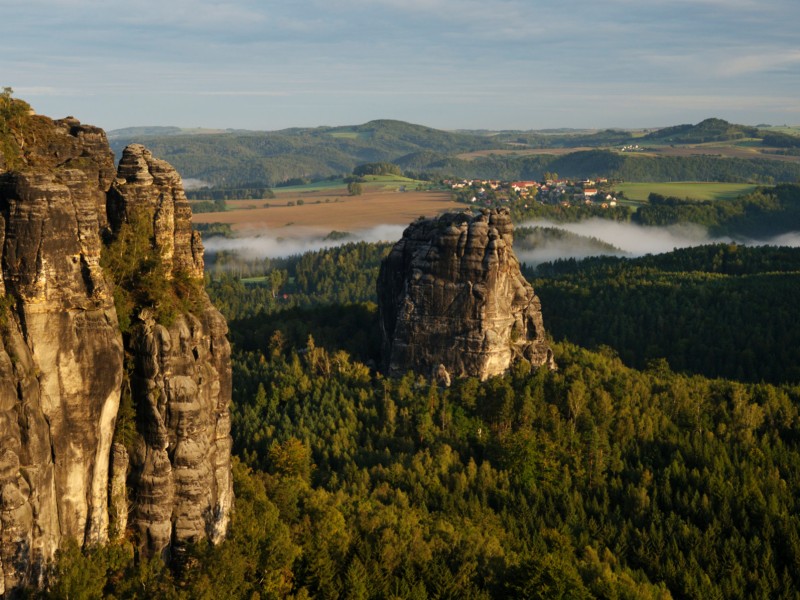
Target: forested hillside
764,213
709,130
594,481
242,159
235,159
605,163
719,310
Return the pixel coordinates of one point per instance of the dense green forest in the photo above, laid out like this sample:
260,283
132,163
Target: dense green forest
661,460
249,159
766,212
593,481
709,130
257,159
605,163
722,310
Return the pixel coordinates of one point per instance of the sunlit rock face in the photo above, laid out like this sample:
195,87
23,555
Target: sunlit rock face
453,302
62,354
181,378
63,360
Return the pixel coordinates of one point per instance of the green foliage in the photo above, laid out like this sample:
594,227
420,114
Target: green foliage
259,159
765,212
208,230
709,130
245,288
13,118
125,427
593,481
84,574
530,238
720,310
206,206
781,140
596,480
140,276
222,194
354,188
379,168
253,159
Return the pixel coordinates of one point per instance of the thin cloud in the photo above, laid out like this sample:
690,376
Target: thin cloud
634,240
268,245
493,64
758,63
631,240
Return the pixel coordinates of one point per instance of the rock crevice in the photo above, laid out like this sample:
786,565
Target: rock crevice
453,302
63,360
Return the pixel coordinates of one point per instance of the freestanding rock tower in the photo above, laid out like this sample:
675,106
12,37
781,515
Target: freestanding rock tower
453,302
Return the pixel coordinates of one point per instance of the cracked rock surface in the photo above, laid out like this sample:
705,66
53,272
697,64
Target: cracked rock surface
453,302
63,359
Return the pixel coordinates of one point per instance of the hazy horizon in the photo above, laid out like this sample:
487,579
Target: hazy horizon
565,128
448,64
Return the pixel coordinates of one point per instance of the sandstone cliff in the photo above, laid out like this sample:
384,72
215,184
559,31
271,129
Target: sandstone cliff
64,359
453,302
181,374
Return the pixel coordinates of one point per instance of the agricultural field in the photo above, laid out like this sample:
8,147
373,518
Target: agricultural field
521,152
326,210
696,190
739,149
338,186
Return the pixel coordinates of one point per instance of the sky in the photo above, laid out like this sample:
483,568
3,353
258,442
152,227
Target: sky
448,64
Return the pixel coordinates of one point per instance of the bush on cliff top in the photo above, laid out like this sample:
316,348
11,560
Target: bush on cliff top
13,113
141,279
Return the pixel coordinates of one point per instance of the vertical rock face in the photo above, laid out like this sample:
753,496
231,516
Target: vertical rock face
453,302
63,360
61,364
181,378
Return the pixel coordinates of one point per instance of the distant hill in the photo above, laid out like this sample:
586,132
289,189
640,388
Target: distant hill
135,132
710,130
271,157
237,159
781,140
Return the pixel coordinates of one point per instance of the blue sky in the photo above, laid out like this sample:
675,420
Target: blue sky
476,64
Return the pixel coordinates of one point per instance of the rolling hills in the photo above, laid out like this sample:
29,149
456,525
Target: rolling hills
709,151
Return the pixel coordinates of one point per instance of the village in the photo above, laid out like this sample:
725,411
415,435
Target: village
552,190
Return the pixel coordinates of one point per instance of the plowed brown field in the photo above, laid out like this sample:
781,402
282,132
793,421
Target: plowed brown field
340,213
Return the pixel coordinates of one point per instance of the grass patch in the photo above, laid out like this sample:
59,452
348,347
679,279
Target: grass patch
255,280
371,181
328,184
347,135
696,190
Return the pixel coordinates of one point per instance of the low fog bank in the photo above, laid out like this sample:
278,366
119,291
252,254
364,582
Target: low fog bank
632,240
269,245
190,183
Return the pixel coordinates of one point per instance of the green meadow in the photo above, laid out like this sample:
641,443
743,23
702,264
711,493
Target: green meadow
696,190
372,182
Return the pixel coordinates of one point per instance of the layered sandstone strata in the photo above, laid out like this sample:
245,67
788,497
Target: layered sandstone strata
64,359
453,302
